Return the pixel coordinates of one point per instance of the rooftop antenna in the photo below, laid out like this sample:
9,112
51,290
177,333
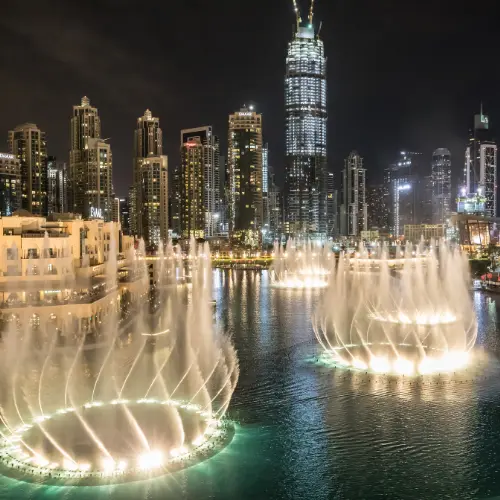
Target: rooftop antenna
311,13
297,13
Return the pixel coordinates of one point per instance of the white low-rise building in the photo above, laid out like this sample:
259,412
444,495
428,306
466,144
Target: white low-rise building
63,273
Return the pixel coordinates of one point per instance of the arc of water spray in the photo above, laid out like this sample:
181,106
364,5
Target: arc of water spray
70,373
185,374
208,378
223,386
91,433
110,350
136,360
42,373
158,372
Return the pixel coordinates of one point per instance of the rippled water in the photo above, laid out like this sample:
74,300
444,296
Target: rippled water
310,432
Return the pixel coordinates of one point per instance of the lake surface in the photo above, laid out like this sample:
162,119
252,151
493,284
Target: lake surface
311,432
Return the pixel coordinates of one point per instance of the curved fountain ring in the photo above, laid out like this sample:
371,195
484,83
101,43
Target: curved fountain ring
419,321
399,358
304,278
435,362
155,463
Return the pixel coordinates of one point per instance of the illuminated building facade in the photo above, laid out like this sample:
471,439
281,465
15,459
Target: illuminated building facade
481,164
200,183
427,232
10,184
27,143
245,176
150,194
441,185
305,128
90,179
354,210
473,231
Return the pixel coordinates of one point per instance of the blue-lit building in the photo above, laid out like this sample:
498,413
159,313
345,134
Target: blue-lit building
306,122
10,184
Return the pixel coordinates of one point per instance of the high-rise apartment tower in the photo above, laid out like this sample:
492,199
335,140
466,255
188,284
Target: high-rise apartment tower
27,144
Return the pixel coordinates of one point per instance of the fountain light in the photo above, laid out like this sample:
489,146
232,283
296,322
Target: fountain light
41,461
150,460
108,465
198,441
403,366
380,364
69,464
359,364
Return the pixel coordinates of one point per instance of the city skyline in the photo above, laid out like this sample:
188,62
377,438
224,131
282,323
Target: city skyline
422,115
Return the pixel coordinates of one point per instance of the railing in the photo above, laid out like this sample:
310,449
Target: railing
42,235
87,299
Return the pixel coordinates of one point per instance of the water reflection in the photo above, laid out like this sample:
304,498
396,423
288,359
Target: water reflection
311,432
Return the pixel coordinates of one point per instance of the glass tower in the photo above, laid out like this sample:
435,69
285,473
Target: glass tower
441,185
306,119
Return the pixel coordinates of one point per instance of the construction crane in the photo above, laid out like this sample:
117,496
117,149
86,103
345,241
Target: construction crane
311,12
297,13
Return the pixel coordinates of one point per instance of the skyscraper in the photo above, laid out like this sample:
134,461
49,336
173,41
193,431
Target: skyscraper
441,185
175,188
305,128
354,210
481,164
265,187
90,179
378,211
331,206
275,208
132,205
402,191
10,184
116,210
56,186
150,188
27,143
200,183
245,176
125,215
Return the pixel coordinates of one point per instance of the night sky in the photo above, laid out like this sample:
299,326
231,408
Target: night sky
402,74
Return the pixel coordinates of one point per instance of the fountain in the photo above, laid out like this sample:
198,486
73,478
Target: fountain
301,265
417,319
148,399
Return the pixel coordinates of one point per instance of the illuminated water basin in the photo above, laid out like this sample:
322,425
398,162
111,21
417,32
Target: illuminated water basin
112,442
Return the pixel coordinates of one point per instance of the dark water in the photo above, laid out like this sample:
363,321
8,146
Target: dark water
310,432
